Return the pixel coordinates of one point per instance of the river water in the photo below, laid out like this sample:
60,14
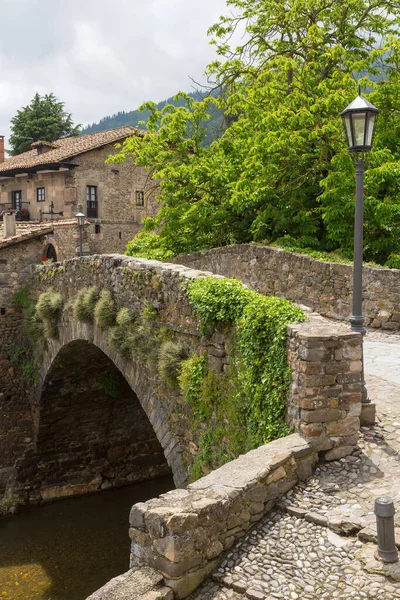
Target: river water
68,549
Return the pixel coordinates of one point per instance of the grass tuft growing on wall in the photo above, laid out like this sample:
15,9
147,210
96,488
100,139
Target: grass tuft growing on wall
105,310
84,304
48,310
170,357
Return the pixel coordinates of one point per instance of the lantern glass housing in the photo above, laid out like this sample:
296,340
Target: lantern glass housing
80,217
359,120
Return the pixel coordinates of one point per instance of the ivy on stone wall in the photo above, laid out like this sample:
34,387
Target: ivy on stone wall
245,406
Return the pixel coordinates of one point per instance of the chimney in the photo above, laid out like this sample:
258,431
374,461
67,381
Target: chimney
10,228
1,148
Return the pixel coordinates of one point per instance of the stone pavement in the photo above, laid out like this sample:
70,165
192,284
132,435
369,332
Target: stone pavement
316,543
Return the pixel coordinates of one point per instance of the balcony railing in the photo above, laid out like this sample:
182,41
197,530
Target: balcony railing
21,208
91,209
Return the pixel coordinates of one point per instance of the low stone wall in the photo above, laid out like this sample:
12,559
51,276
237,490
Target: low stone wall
182,533
325,287
136,584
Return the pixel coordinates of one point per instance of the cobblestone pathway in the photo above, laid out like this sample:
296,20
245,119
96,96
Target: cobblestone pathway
311,547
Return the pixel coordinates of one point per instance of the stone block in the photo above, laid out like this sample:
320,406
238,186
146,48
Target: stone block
176,548
184,586
132,585
136,516
368,414
304,468
214,549
320,416
181,522
311,381
175,570
343,427
337,453
276,475
311,430
155,520
316,353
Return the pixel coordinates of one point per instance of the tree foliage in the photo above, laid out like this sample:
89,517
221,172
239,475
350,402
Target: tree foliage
43,119
281,168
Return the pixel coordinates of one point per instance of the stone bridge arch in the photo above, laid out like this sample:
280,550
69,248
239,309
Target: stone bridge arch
66,362
97,425
323,404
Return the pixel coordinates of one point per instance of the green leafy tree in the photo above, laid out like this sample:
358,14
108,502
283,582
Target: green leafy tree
43,119
281,168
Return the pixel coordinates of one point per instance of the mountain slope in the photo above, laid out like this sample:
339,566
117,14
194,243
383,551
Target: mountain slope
214,125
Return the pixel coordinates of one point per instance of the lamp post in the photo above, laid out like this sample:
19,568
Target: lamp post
80,218
359,120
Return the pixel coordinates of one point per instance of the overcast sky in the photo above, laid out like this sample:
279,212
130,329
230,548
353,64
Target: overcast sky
101,56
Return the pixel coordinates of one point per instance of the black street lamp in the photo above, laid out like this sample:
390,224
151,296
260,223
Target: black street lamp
359,120
80,218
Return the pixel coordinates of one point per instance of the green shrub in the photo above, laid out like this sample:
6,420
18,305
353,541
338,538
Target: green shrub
120,336
145,342
22,298
393,262
49,305
217,301
21,356
84,304
32,325
191,378
105,311
170,359
250,399
149,313
48,310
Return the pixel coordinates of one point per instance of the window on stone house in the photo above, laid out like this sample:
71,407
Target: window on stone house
97,228
139,198
40,194
91,201
16,198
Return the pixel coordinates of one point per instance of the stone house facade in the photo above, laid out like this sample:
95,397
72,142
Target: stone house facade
71,174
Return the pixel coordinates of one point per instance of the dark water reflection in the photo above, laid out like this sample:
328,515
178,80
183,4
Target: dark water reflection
68,549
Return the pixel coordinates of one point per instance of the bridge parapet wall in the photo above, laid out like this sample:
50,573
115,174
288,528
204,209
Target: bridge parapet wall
325,287
182,533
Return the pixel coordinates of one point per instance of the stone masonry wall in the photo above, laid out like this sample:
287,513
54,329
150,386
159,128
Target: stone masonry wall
119,217
182,533
113,236
65,238
325,287
325,399
16,423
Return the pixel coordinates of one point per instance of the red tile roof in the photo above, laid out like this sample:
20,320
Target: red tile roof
25,231
67,148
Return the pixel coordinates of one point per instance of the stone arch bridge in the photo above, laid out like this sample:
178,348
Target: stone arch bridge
94,419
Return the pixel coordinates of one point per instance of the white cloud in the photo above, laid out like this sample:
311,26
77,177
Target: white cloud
100,57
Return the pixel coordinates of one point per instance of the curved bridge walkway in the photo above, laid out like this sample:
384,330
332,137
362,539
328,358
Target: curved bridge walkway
318,543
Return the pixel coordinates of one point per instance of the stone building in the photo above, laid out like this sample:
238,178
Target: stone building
70,173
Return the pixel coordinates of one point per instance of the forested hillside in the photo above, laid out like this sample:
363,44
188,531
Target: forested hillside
214,125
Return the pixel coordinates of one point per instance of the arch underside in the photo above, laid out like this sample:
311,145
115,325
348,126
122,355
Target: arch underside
92,432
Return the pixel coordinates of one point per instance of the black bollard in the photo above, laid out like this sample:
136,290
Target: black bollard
384,511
